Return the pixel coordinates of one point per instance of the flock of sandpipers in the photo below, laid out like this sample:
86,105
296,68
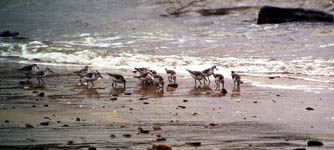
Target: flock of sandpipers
145,75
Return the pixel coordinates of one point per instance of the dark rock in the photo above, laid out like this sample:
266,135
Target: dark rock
161,139
173,85
70,142
8,34
46,123
34,91
255,102
269,14
92,148
127,135
183,107
143,98
65,125
156,127
77,119
46,105
194,143
115,95
127,93
161,147
58,121
278,95
314,143
113,98
299,149
33,106
29,125
145,103
309,108
141,130
6,121
185,100
112,136
213,124
42,94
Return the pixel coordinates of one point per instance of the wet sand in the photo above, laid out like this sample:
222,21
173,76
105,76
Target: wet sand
78,117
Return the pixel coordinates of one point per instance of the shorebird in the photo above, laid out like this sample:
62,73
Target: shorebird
219,79
39,75
197,75
82,73
208,72
145,78
236,79
92,76
29,69
171,75
117,78
141,70
158,82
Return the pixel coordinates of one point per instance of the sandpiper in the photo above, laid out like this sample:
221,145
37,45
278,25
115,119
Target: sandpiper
141,70
171,75
236,79
82,73
197,75
145,78
208,72
219,79
158,82
92,76
28,70
39,75
117,78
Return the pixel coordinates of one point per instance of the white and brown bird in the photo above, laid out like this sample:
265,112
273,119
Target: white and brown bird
197,75
28,70
219,79
236,79
145,78
39,75
171,75
158,81
208,72
117,78
82,73
91,77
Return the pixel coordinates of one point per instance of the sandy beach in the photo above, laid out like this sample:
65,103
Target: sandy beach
68,116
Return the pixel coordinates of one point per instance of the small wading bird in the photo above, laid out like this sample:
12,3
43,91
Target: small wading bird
197,75
236,79
171,75
82,73
208,72
158,82
117,78
39,75
92,76
219,79
145,78
28,70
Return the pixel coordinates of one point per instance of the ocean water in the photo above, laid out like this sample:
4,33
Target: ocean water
127,34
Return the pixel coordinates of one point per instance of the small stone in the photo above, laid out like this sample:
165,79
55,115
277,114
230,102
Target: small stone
141,130
29,125
161,147
92,148
113,98
309,108
70,142
278,95
47,118
255,102
194,143
145,103
46,105
180,106
33,106
127,135
115,95
34,91
185,100
156,127
271,77
299,149
77,119
112,136
65,125
161,139
194,114
46,123
213,124
6,121
127,93
58,121
314,143
143,98
41,94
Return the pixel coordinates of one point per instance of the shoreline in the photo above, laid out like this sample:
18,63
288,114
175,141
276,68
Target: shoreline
262,117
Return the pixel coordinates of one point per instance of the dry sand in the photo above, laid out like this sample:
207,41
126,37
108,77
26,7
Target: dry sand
79,118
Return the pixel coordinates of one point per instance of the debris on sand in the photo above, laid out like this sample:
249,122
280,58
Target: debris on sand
46,123
309,108
141,130
127,135
156,127
194,143
314,143
28,126
42,94
113,98
180,106
161,147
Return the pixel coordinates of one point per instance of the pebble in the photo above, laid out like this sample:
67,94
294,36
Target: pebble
29,125
46,123
115,95
161,147
34,91
314,143
6,121
156,127
127,135
145,103
112,136
41,94
141,130
183,107
92,148
127,93
161,139
46,105
185,100
77,119
65,125
194,143
143,98
299,149
113,98
309,108
70,142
